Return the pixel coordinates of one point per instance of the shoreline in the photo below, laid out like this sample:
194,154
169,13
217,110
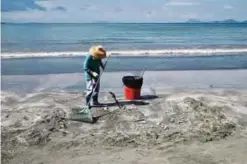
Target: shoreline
203,79
59,65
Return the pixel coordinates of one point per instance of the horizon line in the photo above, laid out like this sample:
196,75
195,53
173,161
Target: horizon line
123,22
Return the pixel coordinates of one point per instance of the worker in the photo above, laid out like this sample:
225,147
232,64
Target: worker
92,65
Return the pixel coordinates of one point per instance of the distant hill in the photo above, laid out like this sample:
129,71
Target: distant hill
188,21
223,21
227,21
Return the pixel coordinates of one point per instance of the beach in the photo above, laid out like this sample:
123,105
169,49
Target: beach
192,126
179,119
193,105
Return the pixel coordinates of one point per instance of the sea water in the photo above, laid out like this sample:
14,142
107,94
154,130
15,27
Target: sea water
213,41
42,49
31,38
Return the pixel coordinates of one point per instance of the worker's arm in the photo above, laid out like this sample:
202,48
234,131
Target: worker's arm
87,69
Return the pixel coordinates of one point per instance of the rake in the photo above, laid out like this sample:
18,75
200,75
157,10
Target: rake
85,114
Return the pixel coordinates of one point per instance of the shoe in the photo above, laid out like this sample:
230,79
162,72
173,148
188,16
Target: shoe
96,103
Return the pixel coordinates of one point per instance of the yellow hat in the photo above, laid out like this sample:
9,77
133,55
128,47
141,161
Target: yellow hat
98,52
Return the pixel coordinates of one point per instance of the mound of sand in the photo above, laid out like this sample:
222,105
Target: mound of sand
170,123
39,120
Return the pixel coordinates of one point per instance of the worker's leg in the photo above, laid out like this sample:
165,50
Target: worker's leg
89,87
96,93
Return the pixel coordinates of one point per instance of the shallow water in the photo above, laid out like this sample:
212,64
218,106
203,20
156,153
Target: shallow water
35,66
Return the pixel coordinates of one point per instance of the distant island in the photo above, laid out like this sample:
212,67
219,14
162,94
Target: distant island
223,21
106,22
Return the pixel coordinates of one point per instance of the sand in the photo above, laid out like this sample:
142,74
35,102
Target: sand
74,82
192,126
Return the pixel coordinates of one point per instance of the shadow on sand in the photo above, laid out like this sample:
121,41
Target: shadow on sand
120,104
139,102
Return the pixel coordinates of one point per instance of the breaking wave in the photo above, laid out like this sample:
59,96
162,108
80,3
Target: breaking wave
162,52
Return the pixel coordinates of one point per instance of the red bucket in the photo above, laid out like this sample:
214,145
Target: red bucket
132,93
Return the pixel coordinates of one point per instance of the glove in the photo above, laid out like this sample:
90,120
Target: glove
95,74
93,82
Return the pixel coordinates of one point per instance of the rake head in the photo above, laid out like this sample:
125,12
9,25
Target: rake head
82,114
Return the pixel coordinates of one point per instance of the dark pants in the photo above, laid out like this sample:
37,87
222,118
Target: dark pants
90,87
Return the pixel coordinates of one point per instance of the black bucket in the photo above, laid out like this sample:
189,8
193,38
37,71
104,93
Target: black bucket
133,81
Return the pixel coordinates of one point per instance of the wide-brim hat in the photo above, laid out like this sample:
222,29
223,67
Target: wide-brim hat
98,52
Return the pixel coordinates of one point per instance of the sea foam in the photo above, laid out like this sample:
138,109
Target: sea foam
162,52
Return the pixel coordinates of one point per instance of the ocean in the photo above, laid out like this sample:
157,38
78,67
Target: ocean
119,36
60,48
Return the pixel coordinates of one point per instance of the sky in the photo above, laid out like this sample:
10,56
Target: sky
79,11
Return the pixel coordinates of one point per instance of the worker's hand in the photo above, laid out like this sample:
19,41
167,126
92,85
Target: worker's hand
95,74
93,81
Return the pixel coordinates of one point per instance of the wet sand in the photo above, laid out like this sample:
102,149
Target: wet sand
196,126
158,80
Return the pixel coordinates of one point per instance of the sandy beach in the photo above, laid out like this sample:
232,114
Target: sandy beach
205,123
112,81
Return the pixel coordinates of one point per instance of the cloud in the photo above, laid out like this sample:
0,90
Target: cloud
71,12
181,3
65,11
60,8
49,5
118,9
189,16
19,16
86,7
151,14
66,5
20,5
228,7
